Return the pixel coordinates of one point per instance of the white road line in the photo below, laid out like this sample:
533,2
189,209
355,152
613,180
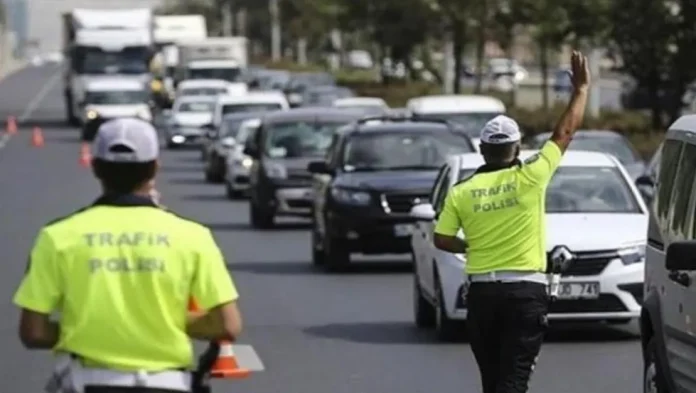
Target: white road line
39,97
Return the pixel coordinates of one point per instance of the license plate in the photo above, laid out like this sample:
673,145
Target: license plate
401,230
578,290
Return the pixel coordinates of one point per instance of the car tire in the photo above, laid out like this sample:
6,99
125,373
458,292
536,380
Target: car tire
423,311
653,379
260,219
336,254
318,256
447,330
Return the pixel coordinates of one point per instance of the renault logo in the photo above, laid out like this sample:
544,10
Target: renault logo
561,256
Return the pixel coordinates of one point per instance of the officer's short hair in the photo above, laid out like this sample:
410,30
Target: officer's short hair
125,154
499,151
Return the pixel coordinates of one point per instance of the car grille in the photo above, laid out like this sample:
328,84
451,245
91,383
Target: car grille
589,263
299,176
605,303
402,202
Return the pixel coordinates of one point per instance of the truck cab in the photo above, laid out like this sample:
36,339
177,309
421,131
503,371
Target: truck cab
104,42
213,58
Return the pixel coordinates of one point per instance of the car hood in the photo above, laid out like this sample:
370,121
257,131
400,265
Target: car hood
118,110
418,181
192,119
593,232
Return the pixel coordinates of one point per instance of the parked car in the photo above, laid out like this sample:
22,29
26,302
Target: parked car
373,173
593,209
280,183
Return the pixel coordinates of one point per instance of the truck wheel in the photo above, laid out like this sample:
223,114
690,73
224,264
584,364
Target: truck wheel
653,379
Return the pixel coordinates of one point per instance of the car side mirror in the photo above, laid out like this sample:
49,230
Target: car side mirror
681,256
423,212
319,167
645,181
251,151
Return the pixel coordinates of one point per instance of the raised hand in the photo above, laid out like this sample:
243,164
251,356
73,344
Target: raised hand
579,70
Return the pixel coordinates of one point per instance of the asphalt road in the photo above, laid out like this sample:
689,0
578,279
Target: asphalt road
316,332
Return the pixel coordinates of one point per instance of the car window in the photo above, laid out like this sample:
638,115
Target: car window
230,128
250,107
438,181
654,165
196,107
618,147
299,139
665,177
683,182
441,192
402,150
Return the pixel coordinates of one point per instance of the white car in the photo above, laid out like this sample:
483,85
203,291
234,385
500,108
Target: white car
238,163
113,97
592,208
470,112
371,105
209,87
188,119
251,102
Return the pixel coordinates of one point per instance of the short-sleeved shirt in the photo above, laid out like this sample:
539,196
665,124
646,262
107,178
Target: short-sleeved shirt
502,214
121,273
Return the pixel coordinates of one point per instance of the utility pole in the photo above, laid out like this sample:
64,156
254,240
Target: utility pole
275,30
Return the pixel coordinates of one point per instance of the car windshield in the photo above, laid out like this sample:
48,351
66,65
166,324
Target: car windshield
470,123
402,150
227,74
203,91
130,61
586,190
299,138
244,132
196,107
230,128
116,97
614,146
250,107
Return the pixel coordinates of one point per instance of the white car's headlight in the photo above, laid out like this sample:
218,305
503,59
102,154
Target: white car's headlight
352,197
276,171
246,162
632,254
91,114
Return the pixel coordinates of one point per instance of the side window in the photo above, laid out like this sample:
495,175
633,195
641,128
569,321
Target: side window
330,157
669,161
436,185
441,191
683,184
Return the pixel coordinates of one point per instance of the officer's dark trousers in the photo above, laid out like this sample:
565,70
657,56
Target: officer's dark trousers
507,322
115,389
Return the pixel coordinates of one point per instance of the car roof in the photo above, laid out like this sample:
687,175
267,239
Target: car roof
315,114
115,84
570,159
203,83
685,124
453,103
256,96
585,134
401,126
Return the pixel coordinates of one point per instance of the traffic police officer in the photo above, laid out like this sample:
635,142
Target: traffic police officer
500,210
121,273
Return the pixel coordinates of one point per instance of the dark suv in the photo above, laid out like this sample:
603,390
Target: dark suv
374,172
279,182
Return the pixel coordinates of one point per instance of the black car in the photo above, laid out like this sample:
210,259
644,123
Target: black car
218,143
370,179
301,81
603,141
279,181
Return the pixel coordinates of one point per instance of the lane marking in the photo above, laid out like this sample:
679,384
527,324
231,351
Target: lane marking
39,97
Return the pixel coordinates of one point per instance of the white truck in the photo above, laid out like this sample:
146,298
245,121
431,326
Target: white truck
213,58
171,30
100,42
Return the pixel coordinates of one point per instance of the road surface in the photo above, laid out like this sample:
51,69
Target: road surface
316,332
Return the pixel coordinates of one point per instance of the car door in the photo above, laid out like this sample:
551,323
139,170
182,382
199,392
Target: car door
420,235
428,250
322,181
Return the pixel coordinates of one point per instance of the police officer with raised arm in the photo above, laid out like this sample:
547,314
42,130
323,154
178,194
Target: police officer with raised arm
121,272
500,210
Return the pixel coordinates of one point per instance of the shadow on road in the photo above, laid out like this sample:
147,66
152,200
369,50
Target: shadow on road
407,333
306,268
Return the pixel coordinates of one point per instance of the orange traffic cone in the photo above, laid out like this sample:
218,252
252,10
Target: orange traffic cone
37,139
11,126
226,365
85,156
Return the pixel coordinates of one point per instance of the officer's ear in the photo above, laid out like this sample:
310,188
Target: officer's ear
518,148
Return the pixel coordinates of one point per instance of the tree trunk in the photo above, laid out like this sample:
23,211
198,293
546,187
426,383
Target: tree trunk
302,51
458,44
513,91
481,46
544,65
